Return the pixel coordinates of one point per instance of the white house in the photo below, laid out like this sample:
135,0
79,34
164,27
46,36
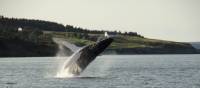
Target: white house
19,29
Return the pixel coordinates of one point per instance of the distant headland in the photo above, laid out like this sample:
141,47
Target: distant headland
29,37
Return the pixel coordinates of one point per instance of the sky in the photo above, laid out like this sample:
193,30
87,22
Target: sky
174,20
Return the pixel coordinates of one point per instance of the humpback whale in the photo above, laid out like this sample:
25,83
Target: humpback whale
84,56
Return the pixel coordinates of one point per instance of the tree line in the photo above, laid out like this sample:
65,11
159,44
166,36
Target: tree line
14,23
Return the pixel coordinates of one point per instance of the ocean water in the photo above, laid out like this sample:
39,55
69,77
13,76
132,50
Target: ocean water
109,71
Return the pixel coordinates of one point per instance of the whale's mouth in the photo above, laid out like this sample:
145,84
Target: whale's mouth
80,59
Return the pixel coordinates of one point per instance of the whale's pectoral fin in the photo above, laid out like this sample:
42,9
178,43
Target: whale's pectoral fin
70,46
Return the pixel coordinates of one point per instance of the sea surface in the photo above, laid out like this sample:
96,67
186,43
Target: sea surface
109,71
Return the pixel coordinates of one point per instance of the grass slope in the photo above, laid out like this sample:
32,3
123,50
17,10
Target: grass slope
121,41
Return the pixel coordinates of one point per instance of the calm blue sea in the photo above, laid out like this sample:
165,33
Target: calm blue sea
109,71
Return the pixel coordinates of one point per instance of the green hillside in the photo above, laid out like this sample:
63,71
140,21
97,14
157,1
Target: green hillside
120,41
36,39
126,44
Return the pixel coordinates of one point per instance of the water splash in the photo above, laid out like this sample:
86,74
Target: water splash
64,74
64,71
70,61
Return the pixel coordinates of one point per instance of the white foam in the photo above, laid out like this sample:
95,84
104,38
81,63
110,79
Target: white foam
64,70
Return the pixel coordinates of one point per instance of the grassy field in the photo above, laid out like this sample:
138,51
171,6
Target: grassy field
120,41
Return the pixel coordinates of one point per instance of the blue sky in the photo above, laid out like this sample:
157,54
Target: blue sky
175,20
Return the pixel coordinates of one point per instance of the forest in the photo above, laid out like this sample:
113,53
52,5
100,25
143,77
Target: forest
13,24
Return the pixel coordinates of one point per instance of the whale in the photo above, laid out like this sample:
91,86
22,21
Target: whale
79,61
